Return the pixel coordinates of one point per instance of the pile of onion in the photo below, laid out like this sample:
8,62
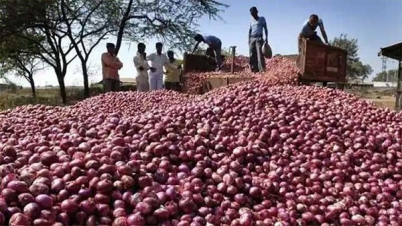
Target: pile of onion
254,153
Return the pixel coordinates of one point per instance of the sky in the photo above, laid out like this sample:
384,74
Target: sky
375,23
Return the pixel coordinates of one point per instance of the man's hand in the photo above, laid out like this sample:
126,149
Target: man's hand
141,68
152,69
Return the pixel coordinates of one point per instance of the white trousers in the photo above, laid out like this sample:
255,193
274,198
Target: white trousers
155,80
142,82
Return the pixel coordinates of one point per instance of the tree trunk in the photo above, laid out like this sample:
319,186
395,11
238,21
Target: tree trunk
32,83
122,26
62,86
86,82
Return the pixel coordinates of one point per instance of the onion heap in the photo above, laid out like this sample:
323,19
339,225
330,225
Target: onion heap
254,153
280,70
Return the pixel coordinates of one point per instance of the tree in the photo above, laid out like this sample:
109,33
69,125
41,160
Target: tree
20,57
389,76
173,22
355,68
24,67
87,23
58,28
47,33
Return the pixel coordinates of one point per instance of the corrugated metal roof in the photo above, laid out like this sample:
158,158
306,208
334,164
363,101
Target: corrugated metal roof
393,51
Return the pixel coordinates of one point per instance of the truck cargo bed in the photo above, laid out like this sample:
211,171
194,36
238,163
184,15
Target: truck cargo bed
322,63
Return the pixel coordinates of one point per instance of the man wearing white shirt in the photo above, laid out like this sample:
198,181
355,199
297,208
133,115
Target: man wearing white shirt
158,60
142,67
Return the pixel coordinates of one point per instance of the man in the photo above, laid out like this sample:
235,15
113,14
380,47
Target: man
158,61
141,64
258,27
214,43
308,31
173,73
110,69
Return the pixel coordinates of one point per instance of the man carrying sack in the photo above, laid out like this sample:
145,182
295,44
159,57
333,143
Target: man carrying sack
256,41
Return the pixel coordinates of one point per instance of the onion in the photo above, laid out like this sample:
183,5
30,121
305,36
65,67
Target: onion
261,152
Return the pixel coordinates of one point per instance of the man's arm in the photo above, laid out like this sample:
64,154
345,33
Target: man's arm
196,47
104,60
110,62
264,26
151,57
137,64
118,63
323,32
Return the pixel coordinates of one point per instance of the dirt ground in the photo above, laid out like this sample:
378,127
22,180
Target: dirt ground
381,98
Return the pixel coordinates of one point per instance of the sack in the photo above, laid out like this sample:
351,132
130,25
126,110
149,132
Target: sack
266,50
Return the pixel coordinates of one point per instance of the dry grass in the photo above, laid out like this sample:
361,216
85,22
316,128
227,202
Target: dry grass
51,96
381,98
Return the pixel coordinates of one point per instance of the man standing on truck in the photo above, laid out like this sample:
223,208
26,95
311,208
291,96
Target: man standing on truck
256,40
308,31
214,43
110,69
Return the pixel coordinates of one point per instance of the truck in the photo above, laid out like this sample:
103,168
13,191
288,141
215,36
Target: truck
319,63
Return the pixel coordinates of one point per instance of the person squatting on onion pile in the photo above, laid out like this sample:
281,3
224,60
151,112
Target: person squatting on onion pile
173,73
110,69
142,66
158,61
258,25
213,43
308,31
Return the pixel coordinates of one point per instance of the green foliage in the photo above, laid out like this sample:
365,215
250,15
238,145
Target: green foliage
355,68
51,30
172,22
390,75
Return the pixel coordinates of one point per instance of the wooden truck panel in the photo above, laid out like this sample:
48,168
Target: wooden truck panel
322,63
197,63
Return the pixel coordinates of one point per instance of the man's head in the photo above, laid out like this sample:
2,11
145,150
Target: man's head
254,11
158,47
313,20
170,54
141,47
110,48
198,38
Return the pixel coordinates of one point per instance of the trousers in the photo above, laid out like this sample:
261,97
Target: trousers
111,85
155,80
257,61
142,82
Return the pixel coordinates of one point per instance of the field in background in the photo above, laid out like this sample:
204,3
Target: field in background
50,96
381,98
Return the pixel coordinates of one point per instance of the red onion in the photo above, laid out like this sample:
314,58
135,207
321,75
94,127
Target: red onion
261,152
